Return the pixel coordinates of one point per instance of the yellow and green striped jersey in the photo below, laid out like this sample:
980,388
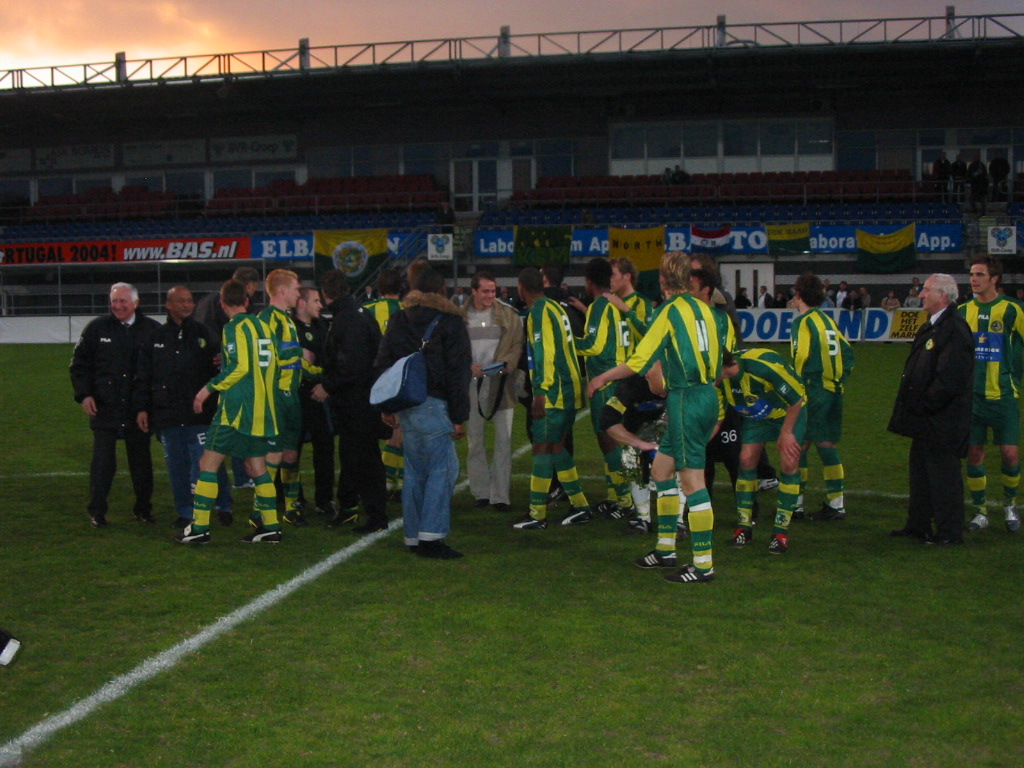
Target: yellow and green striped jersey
766,385
641,312
289,349
821,354
551,355
382,310
684,336
608,339
728,341
247,377
998,329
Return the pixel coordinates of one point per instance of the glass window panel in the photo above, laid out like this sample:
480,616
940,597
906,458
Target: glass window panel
56,185
976,136
778,138
14,189
627,142
739,139
84,185
663,141
150,183
855,159
185,182
855,138
520,148
554,147
232,178
265,177
700,140
933,138
487,176
814,137
554,166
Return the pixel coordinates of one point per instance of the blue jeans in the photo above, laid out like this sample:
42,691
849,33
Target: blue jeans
182,448
431,469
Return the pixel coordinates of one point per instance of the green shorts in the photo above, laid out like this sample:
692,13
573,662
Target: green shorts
289,422
767,430
1001,416
554,427
824,415
230,442
597,404
692,416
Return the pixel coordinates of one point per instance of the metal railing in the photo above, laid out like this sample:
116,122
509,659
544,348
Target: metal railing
305,58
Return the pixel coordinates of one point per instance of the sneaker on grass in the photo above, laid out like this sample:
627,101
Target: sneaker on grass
263,535
978,523
655,559
779,544
690,573
191,536
1012,518
742,536
529,523
828,512
638,527
578,516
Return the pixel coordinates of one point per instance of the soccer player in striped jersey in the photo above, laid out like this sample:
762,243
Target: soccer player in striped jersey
607,341
641,311
683,338
822,358
245,420
389,286
557,394
769,394
998,327
282,288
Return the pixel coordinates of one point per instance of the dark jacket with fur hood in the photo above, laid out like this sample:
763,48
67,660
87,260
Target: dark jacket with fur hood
448,354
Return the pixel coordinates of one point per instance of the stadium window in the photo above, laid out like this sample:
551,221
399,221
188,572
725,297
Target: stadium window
376,160
520,148
263,178
95,182
700,140
185,182
149,183
554,147
664,141
778,138
590,156
627,142
932,138
14,192
232,178
739,139
969,137
554,166
329,162
475,149
814,137
56,185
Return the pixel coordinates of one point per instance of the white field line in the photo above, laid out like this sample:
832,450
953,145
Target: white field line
12,752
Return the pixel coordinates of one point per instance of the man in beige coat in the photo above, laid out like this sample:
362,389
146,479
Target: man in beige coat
496,336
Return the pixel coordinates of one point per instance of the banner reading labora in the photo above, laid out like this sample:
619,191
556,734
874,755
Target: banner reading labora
356,252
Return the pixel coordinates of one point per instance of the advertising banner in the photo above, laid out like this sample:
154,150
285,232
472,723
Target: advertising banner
759,326
113,251
1002,241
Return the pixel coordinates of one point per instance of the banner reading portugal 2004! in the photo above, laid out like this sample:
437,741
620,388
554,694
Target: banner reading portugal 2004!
356,252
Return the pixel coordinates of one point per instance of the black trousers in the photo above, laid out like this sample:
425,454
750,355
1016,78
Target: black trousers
104,466
362,470
318,424
936,491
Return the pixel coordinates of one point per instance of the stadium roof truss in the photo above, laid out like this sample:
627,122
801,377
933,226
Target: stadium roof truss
305,59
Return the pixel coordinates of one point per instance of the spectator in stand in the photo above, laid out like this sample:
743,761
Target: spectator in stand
978,181
679,176
446,218
958,176
780,300
913,300
941,169
764,299
890,302
999,173
791,302
853,301
842,293
829,302
742,300
865,297
666,176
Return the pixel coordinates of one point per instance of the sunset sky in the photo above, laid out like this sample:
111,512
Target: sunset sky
36,33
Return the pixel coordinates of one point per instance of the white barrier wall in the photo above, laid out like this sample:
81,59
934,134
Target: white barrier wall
42,330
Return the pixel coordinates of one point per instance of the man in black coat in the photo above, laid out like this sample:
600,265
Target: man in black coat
181,356
933,408
348,375
103,368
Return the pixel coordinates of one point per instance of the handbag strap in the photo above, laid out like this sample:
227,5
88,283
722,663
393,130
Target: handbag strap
430,330
499,391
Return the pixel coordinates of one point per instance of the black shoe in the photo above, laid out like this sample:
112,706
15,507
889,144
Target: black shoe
481,503
437,550
370,528
181,523
296,516
655,559
502,507
343,517
225,518
99,521
942,541
328,510
828,512
607,508
690,573
262,535
145,517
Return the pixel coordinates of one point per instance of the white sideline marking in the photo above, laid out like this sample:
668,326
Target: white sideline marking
12,752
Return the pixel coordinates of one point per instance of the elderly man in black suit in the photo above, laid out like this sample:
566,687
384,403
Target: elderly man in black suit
933,408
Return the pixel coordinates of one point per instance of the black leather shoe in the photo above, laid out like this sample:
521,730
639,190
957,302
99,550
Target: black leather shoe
502,507
437,550
937,541
370,528
481,503
99,521
909,533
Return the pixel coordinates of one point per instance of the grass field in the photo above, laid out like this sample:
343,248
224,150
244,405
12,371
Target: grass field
539,648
